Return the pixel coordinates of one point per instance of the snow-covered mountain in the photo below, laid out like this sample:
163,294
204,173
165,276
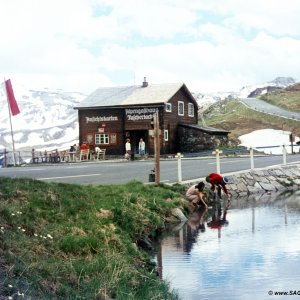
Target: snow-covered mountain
205,100
278,82
47,120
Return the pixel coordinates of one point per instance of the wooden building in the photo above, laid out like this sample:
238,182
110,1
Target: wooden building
110,115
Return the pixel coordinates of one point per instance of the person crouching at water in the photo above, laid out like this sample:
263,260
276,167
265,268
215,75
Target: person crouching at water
195,194
218,182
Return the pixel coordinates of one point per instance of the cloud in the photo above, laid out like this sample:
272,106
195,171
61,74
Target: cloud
210,45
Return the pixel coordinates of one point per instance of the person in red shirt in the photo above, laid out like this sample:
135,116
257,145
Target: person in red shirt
218,182
83,146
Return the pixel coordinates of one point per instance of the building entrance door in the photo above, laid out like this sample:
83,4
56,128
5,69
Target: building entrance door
135,136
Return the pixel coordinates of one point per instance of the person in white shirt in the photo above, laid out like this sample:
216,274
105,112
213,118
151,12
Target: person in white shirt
128,151
142,147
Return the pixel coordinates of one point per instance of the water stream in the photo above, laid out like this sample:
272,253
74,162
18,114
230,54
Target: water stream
249,251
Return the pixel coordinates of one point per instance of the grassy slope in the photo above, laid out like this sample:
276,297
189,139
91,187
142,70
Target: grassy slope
288,98
238,119
63,241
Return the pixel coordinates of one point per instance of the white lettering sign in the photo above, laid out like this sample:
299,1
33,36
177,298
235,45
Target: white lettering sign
101,119
140,111
139,117
138,114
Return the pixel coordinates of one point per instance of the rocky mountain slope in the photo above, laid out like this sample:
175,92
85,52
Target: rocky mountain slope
47,119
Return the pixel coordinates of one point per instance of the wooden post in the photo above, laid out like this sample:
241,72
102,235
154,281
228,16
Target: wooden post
157,148
292,142
5,158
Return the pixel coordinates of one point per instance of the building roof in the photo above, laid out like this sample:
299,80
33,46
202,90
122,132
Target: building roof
133,95
207,129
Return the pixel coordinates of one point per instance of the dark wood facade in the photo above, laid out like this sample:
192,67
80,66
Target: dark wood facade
109,126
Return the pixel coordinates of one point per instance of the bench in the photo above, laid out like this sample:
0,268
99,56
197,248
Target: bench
84,154
54,157
73,155
100,153
44,157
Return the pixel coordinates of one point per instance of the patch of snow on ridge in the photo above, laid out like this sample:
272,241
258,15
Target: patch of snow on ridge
269,141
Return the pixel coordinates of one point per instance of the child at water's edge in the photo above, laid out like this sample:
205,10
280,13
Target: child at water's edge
195,194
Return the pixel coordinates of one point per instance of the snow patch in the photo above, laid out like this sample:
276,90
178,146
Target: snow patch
269,141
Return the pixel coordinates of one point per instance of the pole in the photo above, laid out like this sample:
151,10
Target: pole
179,156
218,161
11,128
251,158
284,154
217,153
5,158
157,148
292,140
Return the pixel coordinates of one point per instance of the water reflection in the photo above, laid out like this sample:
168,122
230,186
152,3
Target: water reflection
194,225
237,250
218,219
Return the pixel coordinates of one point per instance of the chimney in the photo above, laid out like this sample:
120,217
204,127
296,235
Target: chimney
145,83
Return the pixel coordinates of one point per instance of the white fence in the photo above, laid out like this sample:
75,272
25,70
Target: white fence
250,152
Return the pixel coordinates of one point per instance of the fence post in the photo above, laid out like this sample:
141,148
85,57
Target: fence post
19,157
5,158
284,154
217,153
179,156
33,155
251,158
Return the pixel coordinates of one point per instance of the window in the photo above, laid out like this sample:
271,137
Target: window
168,107
191,108
180,108
113,138
166,135
89,138
101,139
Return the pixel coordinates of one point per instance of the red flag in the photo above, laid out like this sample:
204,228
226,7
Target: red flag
11,98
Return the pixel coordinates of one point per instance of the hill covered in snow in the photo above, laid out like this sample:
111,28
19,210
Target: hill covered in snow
47,119
205,100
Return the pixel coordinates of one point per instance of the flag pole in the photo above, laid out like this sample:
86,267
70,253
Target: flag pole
11,127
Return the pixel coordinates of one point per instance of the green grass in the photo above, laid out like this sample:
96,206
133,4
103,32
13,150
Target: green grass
287,99
63,241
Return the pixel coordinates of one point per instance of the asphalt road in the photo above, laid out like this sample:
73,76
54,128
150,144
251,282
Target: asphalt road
120,171
265,107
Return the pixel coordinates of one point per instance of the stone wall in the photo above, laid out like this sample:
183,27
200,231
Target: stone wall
265,180
272,179
195,140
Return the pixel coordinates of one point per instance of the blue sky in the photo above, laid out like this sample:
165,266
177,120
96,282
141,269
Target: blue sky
215,45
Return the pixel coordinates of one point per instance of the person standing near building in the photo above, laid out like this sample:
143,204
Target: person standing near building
128,151
142,147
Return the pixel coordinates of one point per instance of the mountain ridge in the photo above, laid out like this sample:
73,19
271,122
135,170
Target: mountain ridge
48,120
